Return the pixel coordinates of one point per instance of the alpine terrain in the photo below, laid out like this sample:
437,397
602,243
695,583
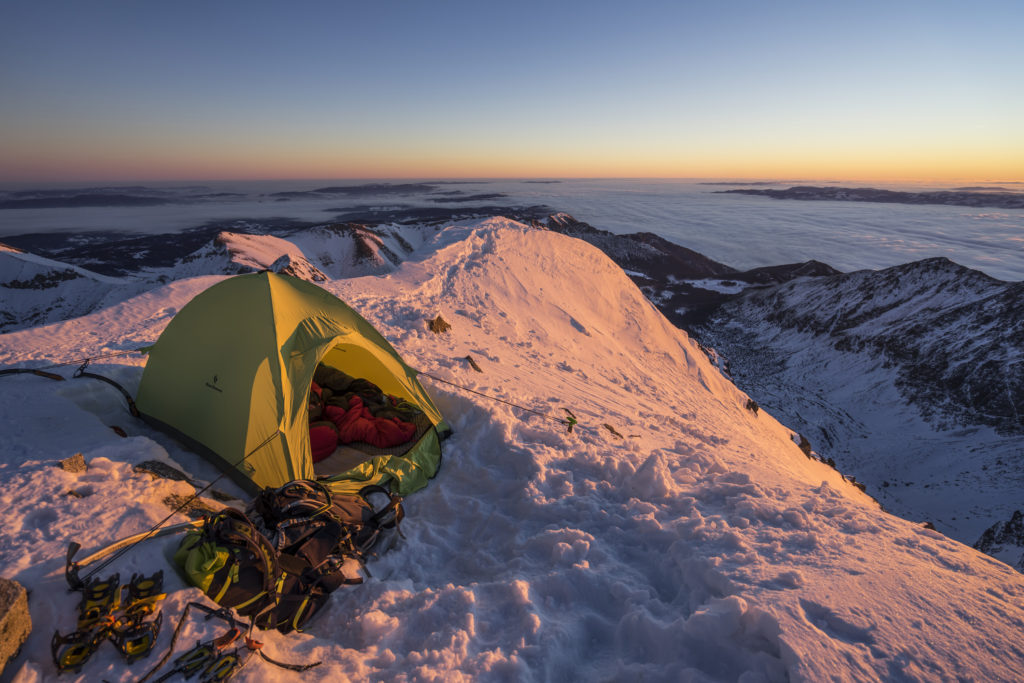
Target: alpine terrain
675,533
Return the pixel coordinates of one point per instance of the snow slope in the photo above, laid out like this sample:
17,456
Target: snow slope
335,250
908,377
36,290
702,545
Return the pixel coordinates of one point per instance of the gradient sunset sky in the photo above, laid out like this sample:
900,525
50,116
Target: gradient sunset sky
136,90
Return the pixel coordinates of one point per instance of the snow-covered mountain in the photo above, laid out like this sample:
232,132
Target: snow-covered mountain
39,290
909,377
931,333
685,285
693,540
36,290
336,250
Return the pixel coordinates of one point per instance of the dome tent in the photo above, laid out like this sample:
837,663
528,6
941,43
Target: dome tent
231,374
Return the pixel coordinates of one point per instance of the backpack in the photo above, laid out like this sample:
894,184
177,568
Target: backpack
278,562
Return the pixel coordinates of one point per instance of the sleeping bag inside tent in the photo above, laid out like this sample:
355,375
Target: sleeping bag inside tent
232,373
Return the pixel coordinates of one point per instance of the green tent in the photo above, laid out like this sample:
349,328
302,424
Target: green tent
231,375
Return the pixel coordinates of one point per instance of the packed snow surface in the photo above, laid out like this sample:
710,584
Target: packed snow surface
701,545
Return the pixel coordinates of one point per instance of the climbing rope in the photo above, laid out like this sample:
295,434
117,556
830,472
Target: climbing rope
183,505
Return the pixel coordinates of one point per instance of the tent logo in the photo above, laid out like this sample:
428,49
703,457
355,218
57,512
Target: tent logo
214,385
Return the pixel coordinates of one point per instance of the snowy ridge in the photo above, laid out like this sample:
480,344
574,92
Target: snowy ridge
314,254
702,545
953,333
36,290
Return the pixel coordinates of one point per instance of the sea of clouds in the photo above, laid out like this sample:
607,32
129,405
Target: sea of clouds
742,231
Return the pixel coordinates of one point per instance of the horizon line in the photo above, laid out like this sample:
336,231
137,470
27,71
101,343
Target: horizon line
512,178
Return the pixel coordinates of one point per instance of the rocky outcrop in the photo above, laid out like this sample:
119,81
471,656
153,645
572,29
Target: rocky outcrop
953,334
908,377
1005,540
298,267
15,620
36,290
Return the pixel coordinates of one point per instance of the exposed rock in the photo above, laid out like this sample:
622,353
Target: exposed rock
192,507
15,620
76,463
161,470
439,325
298,267
38,290
1005,540
614,431
953,333
47,280
911,371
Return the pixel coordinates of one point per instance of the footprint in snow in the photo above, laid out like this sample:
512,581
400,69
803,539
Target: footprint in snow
835,626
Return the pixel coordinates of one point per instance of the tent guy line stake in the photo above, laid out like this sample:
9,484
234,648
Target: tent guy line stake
86,361
570,423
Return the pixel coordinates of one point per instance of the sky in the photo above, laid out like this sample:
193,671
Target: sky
128,90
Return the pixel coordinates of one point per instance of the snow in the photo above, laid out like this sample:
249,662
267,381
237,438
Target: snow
701,546
850,405
21,265
50,290
723,286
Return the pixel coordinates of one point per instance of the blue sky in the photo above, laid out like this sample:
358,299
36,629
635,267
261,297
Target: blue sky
198,90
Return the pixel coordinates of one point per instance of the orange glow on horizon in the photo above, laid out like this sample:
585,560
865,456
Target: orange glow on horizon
59,160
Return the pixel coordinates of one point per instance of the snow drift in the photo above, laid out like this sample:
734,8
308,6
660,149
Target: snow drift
689,539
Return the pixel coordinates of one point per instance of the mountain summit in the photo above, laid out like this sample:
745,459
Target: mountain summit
674,534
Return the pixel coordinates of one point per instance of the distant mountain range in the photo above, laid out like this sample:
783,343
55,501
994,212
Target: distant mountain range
909,377
141,195
965,196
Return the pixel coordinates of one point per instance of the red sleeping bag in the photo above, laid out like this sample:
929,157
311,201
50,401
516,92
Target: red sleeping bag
323,439
356,424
